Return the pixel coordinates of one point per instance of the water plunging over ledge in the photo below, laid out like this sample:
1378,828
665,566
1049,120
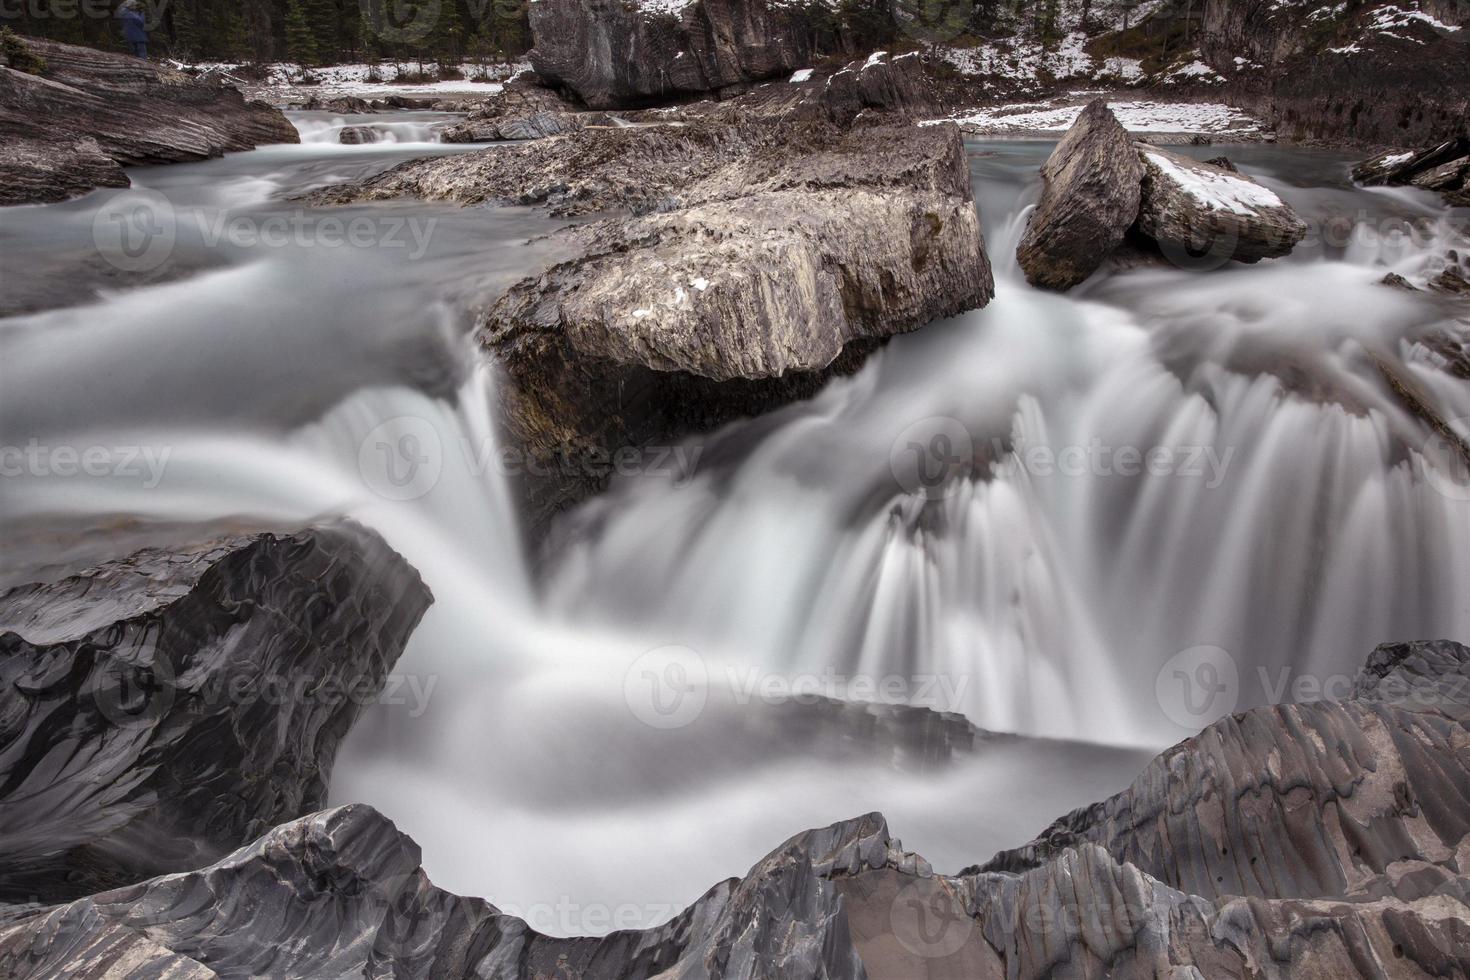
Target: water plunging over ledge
1291,518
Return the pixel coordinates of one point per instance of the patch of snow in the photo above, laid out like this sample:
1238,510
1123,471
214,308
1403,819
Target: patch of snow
1195,70
873,59
700,283
640,314
1396,159
1217,190
801,75
671,8
1136,117
1349,49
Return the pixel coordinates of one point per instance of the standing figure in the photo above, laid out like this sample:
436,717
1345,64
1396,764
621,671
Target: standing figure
134,27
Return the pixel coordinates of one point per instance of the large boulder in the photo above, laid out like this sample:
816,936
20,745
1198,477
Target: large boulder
760,260
1091,189
1191,208
628,53
72,126
160,709
1325,840
524,109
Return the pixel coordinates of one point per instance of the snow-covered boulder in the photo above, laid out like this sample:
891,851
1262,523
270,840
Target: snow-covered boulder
1089,198
1193,208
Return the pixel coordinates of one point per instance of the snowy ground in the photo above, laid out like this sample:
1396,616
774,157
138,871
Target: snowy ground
1206,118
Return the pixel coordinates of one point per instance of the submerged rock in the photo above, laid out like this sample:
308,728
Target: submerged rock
89,113
159,710
1191,208
1090,197
761,259
1303,840
358,135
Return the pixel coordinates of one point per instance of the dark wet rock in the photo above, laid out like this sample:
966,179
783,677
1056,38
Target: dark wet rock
761,259
1191,208
357,135
1443,167
1325,840
1398,282
159,710
89,113
346,104
628,54
1090,197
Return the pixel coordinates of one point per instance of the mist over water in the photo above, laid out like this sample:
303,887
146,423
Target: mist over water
1025,514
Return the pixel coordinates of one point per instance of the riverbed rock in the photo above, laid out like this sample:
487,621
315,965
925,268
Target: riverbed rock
160,709
760,259
626,55
525,109
1091,189
359,135
1192,209
1443,167
1325,840
88,113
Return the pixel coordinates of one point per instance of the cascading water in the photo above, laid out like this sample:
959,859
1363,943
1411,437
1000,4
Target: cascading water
1041,580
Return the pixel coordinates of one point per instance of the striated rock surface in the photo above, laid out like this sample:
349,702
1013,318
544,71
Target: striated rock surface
524,110
617,54
1191,208
90,112
761,258
1309,848
1090,197
158,710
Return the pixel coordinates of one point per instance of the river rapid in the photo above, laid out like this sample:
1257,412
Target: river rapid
1094,522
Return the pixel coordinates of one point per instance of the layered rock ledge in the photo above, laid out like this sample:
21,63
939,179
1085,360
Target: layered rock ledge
161,709
1314,840
759,259
85,114
1100,188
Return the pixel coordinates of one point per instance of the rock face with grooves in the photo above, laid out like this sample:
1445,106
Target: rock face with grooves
1444,168
1299,841
73,127
524,110
1191,208
1090,196
761,259
159,710
628,53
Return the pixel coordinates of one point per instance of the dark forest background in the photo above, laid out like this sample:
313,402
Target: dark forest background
313,32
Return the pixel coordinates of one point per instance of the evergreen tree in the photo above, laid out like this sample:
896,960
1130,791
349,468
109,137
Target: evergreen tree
300,39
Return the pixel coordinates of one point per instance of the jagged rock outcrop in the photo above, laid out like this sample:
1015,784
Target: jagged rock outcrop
1107,197
159,710
1190,208
616,54
89,113
1444,168
1326,840
524,110
1374,73
891,84
761,259
1091,188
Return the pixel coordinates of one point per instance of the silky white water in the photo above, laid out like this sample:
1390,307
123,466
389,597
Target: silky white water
1053,515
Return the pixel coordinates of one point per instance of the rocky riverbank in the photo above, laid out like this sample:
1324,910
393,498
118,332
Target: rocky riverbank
1326,839
71,118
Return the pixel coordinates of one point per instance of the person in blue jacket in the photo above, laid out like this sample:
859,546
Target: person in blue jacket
134,27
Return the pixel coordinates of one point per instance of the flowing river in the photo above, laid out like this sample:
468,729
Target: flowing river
1095,522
